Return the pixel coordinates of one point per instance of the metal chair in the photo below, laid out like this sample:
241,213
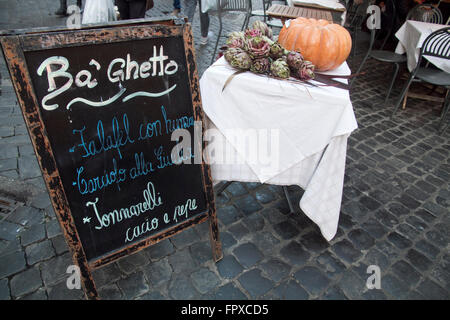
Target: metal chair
266,4
356,14
425,13
230,6
437,44
383,55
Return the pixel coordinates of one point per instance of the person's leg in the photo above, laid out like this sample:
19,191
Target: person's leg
176,7
80,4
137,9
189,9
62,11
124,9
204,20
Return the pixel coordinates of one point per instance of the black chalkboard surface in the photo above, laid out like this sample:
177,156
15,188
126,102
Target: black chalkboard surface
101,106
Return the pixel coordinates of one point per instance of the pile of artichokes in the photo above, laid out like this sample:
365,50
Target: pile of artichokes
255,50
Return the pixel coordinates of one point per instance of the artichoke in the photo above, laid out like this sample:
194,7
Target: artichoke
280,69
306,71
251,33
238,58
265,30
257,47
260,65
237,40
294,60
276,51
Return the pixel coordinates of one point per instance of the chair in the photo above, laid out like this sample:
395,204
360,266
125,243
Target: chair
266,4
230,6
356,14
437,44
383,55
425,13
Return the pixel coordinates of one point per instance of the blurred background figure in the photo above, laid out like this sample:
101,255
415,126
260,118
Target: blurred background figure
133,9
189,9
176,8
98,11
62,11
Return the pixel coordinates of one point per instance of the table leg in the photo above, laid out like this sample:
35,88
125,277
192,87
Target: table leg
286,193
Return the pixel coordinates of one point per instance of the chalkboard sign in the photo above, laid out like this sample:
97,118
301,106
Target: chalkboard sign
105,108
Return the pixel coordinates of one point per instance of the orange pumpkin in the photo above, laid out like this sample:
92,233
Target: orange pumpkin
326,45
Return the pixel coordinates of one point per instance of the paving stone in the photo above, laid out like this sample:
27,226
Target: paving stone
28,167
228,214
158,272
181,288
39,251
312,279
182,262
352,285
314,242
265,196
59,244
286,230
134,285
248,254
361,239
39,294
106,275
254,222
40,201
12,263
399,241
345,250
374,228
238,230
53,228
295,254
34,234
204,280
55,270
331,266
9,231
110,292
229,292
418,260
130,263
437,239
405,272
184,239
255,284
432,291
374,294
201,251
334,293
265,241
395,288
248,204
4,290
272,215
229,267
26,282
160,250
275,269
376,257
7,247
290,290
60,292
236,189
152,295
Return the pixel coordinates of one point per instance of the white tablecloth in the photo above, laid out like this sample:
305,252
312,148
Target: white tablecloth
308,119
411,36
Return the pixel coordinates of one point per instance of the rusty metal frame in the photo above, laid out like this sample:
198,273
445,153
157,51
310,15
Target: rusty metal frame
15,44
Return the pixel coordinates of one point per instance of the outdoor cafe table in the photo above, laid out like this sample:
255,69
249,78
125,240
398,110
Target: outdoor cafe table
411,36
312,123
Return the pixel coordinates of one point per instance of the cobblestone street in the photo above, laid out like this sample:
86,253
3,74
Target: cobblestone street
394,214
